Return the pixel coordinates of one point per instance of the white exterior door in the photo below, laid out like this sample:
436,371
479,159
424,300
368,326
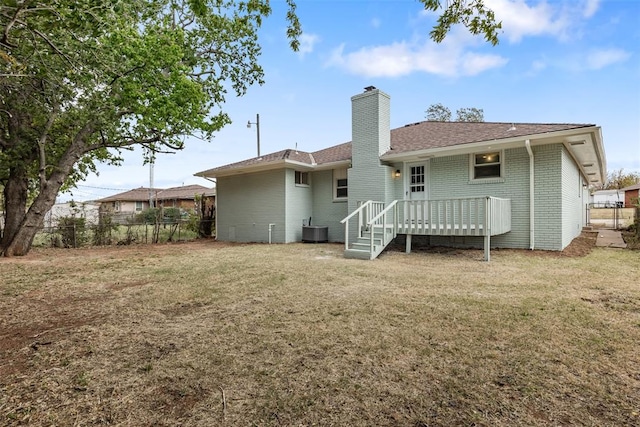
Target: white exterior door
417,181
417,188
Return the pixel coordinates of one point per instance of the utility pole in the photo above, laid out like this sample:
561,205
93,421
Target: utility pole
257,123
152,158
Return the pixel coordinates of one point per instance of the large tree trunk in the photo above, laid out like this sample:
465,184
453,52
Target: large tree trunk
18,241
22,238
15,195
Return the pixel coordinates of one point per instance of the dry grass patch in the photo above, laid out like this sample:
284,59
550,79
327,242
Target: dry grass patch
212,334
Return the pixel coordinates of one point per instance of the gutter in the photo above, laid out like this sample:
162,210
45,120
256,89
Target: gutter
532,211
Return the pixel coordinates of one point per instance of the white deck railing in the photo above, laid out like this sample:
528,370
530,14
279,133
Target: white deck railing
362,217
477,216
386,222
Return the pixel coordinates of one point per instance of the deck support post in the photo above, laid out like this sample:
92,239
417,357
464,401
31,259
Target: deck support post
407,248
487,247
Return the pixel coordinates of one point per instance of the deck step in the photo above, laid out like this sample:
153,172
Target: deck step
367,242
364,247
357,254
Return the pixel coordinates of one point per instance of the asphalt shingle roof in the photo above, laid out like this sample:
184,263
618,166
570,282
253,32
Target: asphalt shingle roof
415,137
425,135
185,192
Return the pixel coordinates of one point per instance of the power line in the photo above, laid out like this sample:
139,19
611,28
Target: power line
103,188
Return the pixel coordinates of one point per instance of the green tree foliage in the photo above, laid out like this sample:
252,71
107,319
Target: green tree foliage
618,179
470,115
438,113
81,81
473,14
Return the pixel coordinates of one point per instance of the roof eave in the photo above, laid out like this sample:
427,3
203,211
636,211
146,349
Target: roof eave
333,165
594,170
471,147
257,167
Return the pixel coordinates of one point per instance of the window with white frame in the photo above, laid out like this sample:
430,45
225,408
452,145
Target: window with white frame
302,178
138,206
487,165
340,184
417,179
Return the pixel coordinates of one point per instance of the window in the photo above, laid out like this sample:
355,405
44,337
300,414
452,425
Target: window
340,187
138,206
302,178
115,206
487,165
417,179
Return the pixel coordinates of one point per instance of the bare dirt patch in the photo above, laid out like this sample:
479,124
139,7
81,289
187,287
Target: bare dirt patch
205,334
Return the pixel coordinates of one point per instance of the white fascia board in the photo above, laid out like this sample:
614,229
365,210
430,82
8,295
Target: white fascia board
599,145
341,164
256,167
278,164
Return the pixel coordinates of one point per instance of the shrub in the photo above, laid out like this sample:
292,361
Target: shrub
102,230
73,231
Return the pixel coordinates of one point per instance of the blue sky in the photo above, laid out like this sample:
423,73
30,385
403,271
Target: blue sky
574,61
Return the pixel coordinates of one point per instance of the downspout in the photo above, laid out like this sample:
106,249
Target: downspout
532,211
270,227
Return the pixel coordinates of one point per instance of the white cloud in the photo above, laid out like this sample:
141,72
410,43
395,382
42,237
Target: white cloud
403,58
561,19
307,43
601,58
474,63
520,19
591,7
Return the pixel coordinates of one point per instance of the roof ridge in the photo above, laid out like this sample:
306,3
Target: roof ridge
457,122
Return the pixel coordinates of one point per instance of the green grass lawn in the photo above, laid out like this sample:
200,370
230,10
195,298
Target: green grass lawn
206,334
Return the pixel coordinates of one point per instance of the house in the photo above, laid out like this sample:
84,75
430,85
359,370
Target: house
139,199
631,195
607,199
510,185
87,210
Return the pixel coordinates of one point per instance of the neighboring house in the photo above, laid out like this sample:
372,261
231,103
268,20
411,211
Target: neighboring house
87,210
608,199
631,196
139,199
508,185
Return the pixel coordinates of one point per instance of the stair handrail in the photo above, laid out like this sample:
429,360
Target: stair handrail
383,215
345,221
360,208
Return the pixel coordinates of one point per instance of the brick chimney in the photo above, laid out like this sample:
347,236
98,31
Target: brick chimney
370,137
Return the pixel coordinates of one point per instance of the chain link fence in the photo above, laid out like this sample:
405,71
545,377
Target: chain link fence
124,229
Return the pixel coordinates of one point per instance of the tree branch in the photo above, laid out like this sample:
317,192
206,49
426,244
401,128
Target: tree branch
12,21
134,69
42,156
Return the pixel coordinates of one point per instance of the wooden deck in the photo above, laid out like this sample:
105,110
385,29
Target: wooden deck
377,224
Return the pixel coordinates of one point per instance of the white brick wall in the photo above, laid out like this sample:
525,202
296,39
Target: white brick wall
572,199
298,205
247,204
449,178
327,211
371,135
